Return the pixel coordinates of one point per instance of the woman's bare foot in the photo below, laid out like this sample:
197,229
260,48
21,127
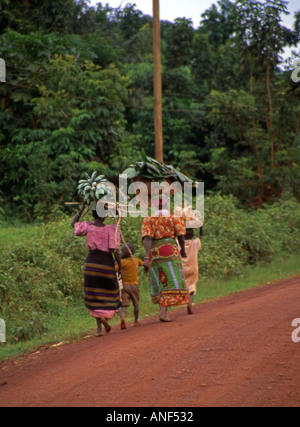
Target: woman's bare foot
165,319
123,323
106,325
164,315
99,328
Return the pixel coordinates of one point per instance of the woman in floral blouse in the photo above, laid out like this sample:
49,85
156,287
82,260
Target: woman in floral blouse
167,283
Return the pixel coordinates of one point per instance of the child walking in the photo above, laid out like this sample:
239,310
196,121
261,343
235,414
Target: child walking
130,290
190,264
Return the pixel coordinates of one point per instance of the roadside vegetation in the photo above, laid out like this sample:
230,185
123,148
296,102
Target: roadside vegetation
78,98
41,267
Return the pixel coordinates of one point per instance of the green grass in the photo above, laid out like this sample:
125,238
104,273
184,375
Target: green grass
253,276
74,322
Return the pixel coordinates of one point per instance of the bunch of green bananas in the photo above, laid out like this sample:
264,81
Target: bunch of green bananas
92,188
152,169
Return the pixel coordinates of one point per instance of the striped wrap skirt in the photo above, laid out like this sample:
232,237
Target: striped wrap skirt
101,287
167,282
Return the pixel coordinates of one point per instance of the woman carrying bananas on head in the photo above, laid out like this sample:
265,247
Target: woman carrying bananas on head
160,230
163,260
101,288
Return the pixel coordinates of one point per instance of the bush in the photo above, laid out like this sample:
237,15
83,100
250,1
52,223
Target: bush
236,237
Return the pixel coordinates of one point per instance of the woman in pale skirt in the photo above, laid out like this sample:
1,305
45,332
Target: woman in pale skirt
190,264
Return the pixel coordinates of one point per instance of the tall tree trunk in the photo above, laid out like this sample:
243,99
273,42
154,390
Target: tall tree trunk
270,116
254,148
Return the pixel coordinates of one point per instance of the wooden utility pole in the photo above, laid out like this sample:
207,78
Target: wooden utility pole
157,84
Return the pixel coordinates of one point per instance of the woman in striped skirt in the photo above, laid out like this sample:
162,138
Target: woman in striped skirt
101,288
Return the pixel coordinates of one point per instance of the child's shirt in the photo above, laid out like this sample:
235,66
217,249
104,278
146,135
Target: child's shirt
190,264
130,275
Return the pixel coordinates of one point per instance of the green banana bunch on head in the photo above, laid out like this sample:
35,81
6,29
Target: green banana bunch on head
92,189
152,169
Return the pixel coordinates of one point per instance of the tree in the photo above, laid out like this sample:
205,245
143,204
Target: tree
219,23
261,124
32,15
179,39
215,63
58,114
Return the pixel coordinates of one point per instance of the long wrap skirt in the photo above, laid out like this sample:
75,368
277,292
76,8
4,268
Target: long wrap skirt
167,282
101,288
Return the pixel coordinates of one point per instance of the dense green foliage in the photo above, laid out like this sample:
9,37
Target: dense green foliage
79,98
41,266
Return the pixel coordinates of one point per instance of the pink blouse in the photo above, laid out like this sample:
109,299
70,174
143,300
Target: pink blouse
98,238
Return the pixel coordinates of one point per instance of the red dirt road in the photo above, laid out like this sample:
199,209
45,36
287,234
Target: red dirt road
237,351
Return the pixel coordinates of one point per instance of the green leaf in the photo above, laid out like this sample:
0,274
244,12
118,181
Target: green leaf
131,173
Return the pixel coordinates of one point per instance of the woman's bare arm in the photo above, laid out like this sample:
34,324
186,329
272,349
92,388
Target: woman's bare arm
148,245
181,241
118,261
78,215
